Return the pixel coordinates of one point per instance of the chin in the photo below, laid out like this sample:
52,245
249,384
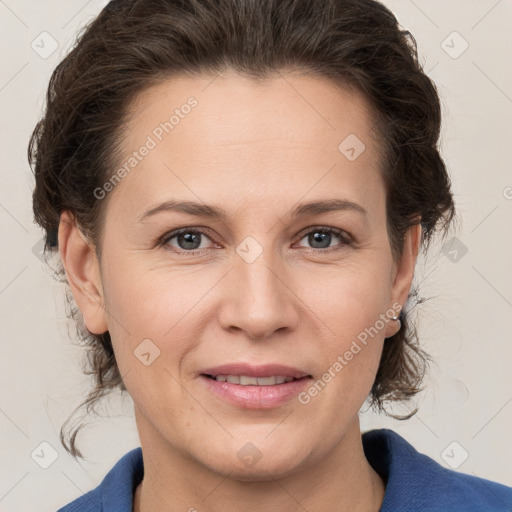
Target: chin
260,472
252,464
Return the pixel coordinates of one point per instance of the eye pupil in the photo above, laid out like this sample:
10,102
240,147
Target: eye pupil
320,236
190,238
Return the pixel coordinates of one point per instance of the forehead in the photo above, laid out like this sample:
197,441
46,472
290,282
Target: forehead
243,108
228,133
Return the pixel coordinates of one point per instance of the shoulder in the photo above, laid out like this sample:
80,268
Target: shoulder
115,492
415,482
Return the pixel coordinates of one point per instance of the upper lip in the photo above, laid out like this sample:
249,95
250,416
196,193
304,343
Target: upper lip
266,370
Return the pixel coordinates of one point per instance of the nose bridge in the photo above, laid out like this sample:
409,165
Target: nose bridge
259,273
262,301
261,277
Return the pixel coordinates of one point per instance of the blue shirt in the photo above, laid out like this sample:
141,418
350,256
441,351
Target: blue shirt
414,482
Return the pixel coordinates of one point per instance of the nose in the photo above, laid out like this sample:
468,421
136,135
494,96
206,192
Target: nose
259,298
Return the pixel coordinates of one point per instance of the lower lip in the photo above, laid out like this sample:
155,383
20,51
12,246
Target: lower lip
256,397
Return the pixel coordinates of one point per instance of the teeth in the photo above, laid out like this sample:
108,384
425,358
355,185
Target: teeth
245,380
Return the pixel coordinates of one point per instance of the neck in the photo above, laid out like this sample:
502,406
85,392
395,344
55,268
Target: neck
341,481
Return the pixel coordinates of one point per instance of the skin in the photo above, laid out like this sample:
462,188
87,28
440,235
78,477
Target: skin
256,150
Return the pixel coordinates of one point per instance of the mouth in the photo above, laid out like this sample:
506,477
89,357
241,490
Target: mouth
250,380
255,387
248,386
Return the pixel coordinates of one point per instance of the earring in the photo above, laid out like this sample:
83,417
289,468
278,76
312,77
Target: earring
397,320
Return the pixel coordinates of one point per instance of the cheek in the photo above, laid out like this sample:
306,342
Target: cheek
153,330
155,302
351,305
350,357
157,315
349,298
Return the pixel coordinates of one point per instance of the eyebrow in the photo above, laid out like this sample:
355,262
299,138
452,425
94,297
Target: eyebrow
215,212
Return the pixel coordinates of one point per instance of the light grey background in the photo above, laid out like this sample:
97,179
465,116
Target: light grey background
465,414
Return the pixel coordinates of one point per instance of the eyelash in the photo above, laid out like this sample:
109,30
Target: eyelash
345,238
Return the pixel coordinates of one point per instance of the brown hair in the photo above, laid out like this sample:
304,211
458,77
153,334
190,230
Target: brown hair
133,44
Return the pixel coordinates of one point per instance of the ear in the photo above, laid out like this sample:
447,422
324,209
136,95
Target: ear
404,272
83,273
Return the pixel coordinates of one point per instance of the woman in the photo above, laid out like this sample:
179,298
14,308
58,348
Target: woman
238,191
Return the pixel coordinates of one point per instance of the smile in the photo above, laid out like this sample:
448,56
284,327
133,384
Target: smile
246,380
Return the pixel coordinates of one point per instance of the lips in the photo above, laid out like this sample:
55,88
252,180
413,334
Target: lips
254,397
248,386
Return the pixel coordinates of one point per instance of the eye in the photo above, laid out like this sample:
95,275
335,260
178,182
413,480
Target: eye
190,241
187,240
321,238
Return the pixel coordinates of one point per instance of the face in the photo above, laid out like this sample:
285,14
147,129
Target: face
270,282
